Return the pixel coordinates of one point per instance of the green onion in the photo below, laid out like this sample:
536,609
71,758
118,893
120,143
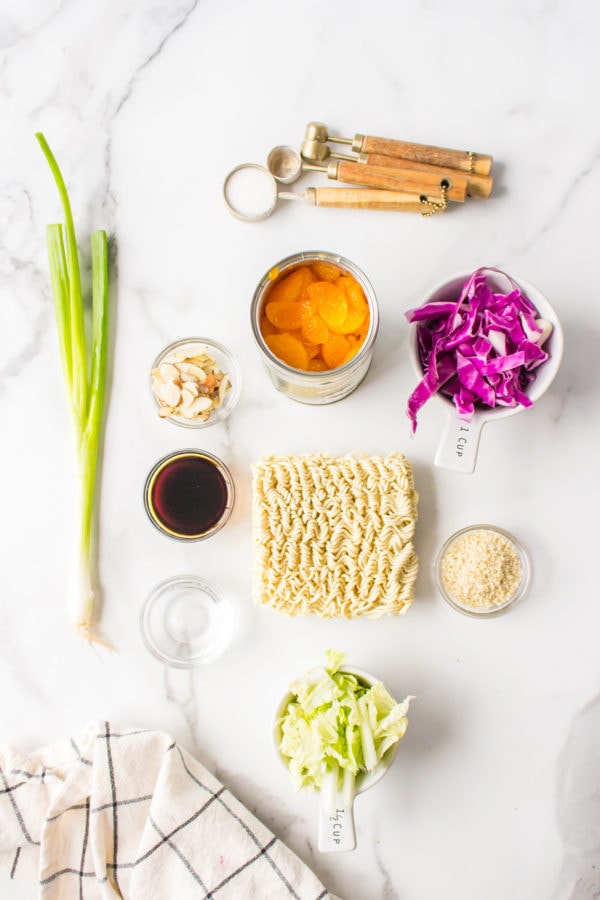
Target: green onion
85,380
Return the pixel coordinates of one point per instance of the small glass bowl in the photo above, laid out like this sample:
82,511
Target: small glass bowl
186,621
225,362
496,608
189,495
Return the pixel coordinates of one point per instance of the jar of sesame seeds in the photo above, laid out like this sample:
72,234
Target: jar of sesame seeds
482,571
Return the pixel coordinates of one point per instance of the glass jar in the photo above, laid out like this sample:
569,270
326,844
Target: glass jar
315,387
494,571
186,621
189,495
222,358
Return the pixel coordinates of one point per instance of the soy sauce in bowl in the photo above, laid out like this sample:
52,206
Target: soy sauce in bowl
189,495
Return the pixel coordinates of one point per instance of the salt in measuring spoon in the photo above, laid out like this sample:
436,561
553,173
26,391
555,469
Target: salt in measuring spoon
251,195
250,192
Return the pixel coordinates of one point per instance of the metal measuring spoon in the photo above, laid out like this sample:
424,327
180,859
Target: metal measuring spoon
473,163
251,191
251,194
287,164
479,186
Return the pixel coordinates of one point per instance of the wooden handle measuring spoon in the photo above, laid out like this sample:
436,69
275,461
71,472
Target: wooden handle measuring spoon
398,179
364,198
478,186
476,163
286,165
251,194
465,161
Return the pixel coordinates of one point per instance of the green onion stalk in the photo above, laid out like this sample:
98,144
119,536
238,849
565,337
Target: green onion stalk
85,381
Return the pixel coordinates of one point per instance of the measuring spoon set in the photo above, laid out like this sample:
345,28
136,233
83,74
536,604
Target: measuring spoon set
388,174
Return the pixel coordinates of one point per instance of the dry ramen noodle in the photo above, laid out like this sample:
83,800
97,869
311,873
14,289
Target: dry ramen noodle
333,536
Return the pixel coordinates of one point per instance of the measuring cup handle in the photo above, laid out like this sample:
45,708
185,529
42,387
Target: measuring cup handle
459,444
336,831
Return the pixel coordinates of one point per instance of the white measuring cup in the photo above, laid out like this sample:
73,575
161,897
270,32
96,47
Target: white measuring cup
336,830
459,443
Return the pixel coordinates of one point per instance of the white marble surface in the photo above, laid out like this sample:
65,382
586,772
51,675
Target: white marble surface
147,106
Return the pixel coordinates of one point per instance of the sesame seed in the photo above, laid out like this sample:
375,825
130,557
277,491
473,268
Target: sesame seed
481,569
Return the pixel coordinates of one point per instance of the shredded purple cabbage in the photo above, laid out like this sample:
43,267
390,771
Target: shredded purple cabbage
481,350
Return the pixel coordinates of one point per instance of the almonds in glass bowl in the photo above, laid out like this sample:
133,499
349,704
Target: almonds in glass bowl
195,382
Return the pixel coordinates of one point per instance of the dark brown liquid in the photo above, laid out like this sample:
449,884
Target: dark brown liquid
189,495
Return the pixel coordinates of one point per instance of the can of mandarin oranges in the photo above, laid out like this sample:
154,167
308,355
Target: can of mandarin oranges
315,320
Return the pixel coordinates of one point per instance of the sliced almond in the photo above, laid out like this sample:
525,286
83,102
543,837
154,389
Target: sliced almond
224,387
187,368
168,393
191,387
186,352
187,398
199,372
200,405
179,383
168,372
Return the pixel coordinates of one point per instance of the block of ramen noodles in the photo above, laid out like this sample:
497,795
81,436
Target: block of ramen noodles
333,536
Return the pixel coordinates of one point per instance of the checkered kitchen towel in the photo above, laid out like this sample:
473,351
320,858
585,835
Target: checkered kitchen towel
118,812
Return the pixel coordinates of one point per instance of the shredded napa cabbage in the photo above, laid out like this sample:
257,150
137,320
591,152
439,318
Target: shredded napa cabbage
337,725
480,350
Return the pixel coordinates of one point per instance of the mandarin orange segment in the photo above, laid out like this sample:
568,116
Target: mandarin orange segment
332,302
312,350
325,271
351,288
288,349
266,327
314,330
284,315
354,319
316,317
354,348
358,308
307,306
335,350
361,332
291,287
